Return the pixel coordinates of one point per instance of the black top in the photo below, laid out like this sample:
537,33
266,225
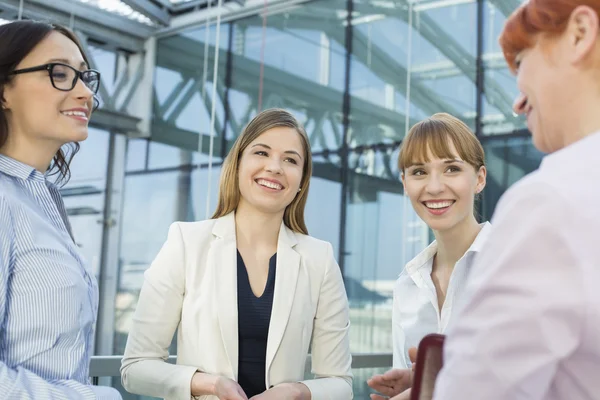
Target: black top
254,315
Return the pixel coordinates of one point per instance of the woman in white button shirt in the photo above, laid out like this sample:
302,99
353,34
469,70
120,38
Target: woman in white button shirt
443,171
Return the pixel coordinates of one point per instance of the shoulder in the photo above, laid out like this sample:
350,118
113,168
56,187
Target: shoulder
313,248
196,229
8,199
534,195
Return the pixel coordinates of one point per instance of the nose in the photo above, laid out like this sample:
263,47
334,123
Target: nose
520,104
435,185
274,166
81,91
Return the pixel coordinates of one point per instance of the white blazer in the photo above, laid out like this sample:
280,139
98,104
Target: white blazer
191,287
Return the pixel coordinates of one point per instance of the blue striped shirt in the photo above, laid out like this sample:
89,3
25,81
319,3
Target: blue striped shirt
48,299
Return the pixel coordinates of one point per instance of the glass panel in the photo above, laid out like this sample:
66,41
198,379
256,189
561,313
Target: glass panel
323,217
360,387
137,150
182,116
85,193
508,160
435,46
153,200
105,62
382,234
304,68
500,84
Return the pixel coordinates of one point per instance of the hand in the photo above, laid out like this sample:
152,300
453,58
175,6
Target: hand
285,391
395,382
392,383
227,389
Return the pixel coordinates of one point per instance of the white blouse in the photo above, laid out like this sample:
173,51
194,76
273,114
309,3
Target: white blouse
416,312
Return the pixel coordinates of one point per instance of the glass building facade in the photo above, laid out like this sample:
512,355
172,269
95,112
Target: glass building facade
358,74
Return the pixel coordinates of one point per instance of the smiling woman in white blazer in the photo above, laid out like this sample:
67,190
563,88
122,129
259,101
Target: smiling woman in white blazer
193,286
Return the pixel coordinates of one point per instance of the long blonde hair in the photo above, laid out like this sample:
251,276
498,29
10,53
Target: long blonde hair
229,189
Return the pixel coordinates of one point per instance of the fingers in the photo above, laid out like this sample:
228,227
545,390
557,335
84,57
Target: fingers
241,393
378,397
395,375
402,396
378,383
412,354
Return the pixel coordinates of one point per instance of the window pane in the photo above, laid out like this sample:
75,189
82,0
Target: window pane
84,196
304,69
500,85
508,160
435,46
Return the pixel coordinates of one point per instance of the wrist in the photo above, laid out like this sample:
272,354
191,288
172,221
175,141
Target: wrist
204,384
299,391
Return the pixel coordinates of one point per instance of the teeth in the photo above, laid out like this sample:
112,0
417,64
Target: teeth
269,184
438,204
75,113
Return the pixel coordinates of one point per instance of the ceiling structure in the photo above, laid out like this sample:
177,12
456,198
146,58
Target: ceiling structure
127,26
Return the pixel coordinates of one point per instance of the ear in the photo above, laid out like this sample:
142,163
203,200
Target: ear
403,181
582,33
481,179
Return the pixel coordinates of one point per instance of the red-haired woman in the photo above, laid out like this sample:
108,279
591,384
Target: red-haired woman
531,327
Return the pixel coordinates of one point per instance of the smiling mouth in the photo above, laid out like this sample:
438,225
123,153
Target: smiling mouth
77,114
438,205
269,184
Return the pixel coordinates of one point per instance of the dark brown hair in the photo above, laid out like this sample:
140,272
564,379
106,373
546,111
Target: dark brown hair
17,40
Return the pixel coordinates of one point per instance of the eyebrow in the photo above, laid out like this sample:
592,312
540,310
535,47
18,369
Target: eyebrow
287,151
65,61
448,161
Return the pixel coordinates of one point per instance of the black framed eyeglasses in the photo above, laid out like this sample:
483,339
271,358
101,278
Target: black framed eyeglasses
64,77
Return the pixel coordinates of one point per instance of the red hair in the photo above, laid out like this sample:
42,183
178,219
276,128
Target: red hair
549,17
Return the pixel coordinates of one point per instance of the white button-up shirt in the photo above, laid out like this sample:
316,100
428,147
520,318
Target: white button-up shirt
416,312
530,325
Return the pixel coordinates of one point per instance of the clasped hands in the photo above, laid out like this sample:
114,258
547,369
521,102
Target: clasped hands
395,384
228,389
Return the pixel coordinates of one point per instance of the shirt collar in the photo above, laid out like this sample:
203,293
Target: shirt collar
424,257
17,169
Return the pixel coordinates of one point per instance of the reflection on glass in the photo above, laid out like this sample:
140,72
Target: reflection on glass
434,46
304,69
382,233
184,91
84,196
508,160
500,84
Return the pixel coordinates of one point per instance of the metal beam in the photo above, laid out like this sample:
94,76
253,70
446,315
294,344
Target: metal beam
149,9
114,121
386,66
232,10
180,54
100,25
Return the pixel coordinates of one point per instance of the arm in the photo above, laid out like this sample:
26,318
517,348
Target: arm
144,369
398,338
20,383
524,308
331,358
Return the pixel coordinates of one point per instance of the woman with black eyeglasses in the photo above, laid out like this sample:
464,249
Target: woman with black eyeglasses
48,296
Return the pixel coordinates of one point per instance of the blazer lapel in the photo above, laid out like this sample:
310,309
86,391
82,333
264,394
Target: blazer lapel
222,257
286,277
